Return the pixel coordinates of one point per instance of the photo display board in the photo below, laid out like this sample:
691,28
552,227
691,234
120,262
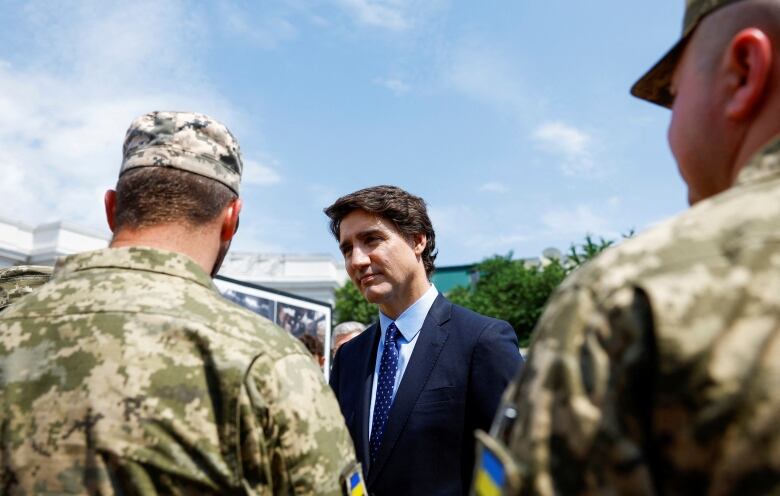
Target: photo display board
294,314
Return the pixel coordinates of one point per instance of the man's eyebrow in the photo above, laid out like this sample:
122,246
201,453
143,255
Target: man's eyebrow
361,235
369,232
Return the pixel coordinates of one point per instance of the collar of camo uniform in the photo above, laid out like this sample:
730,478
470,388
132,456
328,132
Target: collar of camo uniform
763,165
135,258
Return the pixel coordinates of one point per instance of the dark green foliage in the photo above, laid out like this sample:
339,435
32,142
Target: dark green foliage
579,254
350,305
516,291
510,290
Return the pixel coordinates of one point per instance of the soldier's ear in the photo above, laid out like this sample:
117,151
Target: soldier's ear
110,202
230,219
749,65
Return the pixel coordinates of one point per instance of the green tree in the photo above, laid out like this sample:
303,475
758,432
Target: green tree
350,305
511,290
579,254
516,291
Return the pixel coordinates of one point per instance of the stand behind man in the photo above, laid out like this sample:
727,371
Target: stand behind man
130,374
415,386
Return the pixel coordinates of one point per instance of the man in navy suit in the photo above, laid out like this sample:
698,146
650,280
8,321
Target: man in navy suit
414,387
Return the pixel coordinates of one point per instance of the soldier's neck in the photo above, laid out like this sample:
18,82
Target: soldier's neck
199,243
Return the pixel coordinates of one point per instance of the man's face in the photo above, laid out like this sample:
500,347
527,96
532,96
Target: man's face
381,262
694,132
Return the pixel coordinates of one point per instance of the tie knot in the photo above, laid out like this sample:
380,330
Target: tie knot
392,332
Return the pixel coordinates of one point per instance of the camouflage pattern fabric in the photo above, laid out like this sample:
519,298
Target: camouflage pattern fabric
655,369
186,141
20,280
129,374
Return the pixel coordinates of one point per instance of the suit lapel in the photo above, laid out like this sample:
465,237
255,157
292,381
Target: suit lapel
426,353
366,383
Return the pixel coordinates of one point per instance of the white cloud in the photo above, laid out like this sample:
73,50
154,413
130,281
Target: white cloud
572,144
395,85
386,14
267,33
478,230
392,16
485,74
493,187
578,221
259,174
89,73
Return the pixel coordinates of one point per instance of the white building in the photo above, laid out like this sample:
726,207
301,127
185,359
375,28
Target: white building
310,276
22,244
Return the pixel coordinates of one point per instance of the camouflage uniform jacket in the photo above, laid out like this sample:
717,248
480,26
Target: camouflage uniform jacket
20,280
655,369
129,374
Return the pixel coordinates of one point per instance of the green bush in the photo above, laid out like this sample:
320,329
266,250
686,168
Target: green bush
350,305
517,292
510,290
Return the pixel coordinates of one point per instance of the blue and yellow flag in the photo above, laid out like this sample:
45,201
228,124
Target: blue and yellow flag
356,487
490,475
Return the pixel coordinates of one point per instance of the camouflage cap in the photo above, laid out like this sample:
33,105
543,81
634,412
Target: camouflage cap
183,140
20,280
654,85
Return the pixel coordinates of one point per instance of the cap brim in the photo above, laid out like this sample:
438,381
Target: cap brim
655,85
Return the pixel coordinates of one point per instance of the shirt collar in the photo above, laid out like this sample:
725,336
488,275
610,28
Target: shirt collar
765,163
135,258
411,320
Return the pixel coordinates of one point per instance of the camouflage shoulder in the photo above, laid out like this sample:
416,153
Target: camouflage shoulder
20,280
307,425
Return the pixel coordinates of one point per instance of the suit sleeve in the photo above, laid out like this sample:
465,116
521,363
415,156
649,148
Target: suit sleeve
303,444
494,363
584,400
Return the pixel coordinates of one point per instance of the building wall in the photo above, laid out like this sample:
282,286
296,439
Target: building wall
310,276
41,245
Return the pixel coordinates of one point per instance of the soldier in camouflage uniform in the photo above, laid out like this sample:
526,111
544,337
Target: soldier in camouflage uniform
21,280
129,374
655,369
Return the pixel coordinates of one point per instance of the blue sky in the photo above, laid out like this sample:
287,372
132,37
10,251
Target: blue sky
511,118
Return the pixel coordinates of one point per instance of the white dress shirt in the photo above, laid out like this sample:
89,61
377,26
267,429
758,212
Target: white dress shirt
409,324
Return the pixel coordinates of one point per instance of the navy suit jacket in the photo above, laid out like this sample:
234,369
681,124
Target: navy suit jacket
452,386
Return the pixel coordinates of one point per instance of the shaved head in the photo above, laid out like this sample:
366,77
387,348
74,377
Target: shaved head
726,95
719,28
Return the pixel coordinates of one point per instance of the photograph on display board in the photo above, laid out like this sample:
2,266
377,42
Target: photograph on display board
260,306
299,321
302,317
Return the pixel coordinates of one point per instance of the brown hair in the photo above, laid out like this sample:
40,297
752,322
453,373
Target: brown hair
405,211
313,344
149,196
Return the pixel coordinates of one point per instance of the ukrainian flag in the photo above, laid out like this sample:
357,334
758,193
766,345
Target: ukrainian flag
356,487
490,475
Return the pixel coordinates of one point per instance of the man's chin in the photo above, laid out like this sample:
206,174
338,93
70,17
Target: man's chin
373,295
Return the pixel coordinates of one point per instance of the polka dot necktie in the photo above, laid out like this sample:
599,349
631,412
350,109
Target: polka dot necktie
384,390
